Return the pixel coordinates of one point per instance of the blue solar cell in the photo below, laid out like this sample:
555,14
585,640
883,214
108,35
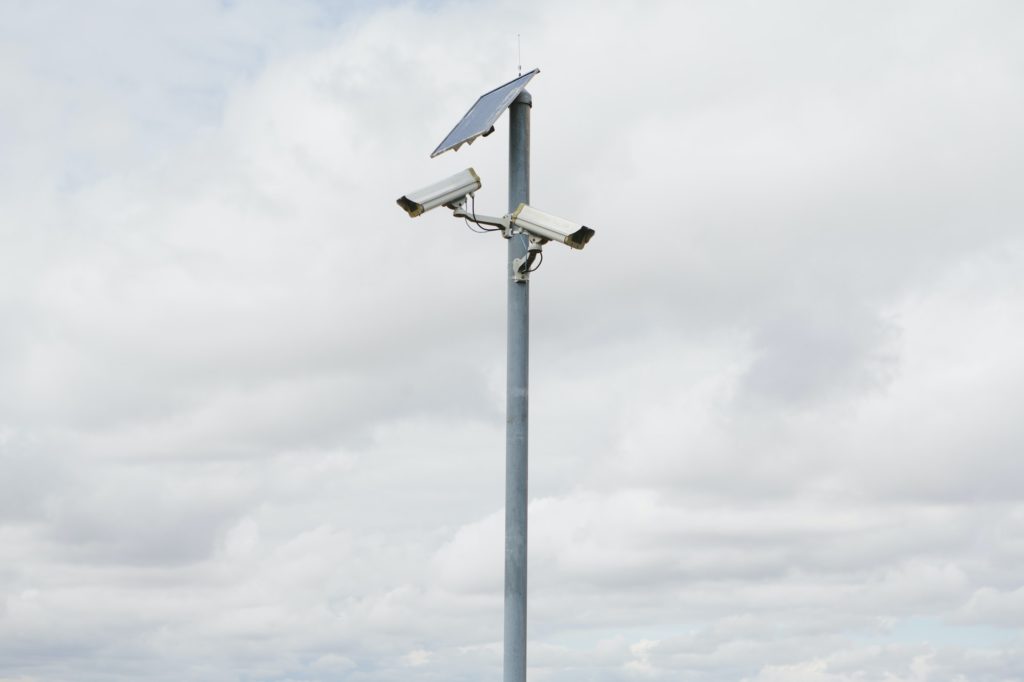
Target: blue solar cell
480,118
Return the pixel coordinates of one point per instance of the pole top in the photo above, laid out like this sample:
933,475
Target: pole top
524,98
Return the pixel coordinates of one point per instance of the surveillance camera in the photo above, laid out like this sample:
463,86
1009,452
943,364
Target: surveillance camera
545,226
448,192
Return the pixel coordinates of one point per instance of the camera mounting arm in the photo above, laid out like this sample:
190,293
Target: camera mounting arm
521,266
459,211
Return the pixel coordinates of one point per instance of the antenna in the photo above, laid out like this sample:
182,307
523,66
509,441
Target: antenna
519,52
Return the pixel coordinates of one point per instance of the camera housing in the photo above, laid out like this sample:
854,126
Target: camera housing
448,192
547,227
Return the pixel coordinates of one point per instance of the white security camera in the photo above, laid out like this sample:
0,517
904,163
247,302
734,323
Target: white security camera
544,226
448,192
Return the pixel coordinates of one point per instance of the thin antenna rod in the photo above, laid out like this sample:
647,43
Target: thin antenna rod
519,52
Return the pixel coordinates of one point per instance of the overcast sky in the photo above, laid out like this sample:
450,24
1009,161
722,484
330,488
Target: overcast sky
252,415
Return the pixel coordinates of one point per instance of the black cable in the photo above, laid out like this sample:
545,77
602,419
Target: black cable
471,228
472,210
481,229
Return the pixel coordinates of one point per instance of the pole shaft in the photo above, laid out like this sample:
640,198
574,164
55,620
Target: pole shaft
517,401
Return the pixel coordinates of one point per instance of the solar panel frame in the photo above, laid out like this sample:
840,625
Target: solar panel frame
480,118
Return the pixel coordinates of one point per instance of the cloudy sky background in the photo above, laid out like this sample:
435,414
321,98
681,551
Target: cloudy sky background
252,416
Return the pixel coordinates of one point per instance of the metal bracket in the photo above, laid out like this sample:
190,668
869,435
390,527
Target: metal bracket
522,267
459,211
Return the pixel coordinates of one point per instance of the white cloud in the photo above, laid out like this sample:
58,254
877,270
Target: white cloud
251,415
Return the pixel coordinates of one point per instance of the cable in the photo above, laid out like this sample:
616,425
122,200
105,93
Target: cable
473,229
479,229
472,211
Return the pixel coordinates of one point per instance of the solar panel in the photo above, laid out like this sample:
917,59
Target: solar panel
480,118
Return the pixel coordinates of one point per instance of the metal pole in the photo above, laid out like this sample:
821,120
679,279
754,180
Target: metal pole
516,410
